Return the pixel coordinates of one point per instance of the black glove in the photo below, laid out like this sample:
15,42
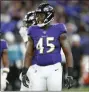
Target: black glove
25,78
69,78
69,82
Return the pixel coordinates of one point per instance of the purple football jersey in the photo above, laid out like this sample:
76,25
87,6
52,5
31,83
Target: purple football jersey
3,45
46,43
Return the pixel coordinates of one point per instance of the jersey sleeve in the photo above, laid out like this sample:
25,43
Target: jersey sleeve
4,44
30,29
23,33
62,28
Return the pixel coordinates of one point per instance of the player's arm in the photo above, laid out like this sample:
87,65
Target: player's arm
27,61
5,58
66,49
69,59
5,62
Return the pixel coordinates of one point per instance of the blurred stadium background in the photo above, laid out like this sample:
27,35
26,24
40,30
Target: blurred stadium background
74,13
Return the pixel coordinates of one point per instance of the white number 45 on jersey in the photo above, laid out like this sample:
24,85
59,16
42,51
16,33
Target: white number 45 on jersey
40,47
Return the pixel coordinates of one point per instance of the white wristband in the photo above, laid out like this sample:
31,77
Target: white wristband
6,70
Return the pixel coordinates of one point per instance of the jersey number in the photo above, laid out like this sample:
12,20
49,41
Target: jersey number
40,47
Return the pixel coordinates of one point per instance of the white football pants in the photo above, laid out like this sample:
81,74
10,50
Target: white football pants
45,78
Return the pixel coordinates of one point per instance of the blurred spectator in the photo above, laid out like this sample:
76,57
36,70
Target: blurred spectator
71,29
84,39
73,8
84,80
60,16
77,53
85,11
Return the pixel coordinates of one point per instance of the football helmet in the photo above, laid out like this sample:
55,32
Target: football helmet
29,19
46,9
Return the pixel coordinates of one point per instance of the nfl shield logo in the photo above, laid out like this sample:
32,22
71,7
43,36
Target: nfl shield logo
44,32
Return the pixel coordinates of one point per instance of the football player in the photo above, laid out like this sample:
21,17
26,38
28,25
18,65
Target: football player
28,21
5,62
46,41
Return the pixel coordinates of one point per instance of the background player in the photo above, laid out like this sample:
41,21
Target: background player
28,21
46,41
5,62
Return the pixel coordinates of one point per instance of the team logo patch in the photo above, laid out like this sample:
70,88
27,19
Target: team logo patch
44,32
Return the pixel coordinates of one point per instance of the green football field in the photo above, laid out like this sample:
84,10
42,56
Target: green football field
81,89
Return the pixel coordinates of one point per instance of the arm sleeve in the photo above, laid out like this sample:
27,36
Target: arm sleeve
4,45
61,28
29,33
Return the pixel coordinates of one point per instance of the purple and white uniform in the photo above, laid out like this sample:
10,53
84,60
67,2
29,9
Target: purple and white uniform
46,43
46,73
